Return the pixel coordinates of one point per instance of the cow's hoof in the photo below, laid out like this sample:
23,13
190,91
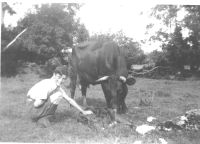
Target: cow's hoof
124,110
112,124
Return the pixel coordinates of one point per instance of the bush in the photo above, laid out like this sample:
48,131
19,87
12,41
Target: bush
51,64
8,64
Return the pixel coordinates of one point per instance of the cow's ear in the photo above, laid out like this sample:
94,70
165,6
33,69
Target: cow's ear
130,80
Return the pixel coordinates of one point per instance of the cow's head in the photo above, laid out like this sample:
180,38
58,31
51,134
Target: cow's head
116,90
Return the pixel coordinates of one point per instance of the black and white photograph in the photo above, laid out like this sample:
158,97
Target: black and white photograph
106,72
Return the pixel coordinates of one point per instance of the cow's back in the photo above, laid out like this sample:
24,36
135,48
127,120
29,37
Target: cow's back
112,60
95,59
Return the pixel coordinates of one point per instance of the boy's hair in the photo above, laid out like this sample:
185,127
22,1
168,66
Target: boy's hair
62,70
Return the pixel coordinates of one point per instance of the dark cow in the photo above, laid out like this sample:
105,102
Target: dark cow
102,63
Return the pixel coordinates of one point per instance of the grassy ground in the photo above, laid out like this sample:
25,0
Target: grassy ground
167,99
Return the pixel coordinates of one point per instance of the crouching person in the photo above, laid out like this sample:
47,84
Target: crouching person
44,97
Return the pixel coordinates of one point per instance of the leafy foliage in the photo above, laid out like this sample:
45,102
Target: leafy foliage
166,13
158,58
6,8
9,58
134,53
192,22
50,28
176,50
179,51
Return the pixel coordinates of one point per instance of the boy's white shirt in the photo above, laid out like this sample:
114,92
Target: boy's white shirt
42,89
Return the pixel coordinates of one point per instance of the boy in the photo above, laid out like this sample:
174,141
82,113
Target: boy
44,97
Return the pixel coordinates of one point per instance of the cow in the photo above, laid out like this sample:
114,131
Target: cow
97,62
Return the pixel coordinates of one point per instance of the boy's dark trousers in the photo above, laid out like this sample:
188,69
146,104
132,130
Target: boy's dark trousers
42,112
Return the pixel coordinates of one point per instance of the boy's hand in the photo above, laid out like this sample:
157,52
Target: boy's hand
87,112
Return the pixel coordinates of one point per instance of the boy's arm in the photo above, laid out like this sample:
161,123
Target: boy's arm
73,102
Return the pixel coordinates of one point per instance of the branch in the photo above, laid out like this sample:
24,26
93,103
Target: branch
142,73
14,40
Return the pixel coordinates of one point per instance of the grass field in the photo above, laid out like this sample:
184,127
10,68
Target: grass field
167,98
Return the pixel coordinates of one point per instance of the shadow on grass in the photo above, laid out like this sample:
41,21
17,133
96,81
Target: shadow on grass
95,102
72,113
64,115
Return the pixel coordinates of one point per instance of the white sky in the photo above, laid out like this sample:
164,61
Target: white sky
105,16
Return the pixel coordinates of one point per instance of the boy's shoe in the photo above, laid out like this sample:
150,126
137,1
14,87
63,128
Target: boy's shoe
43,122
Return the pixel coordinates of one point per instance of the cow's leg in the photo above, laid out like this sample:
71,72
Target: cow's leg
108,101
123,106
111,103
106,94
114,111
72,89
119,106
73,80
83,91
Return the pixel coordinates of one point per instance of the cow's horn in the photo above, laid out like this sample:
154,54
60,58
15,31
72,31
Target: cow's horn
102,78
122,78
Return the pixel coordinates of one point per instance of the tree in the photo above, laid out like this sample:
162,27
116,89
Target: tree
80,34
8,59
50,28
167,14
158,58
6,7
6,33
132,49
192,22
178,50
135,54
